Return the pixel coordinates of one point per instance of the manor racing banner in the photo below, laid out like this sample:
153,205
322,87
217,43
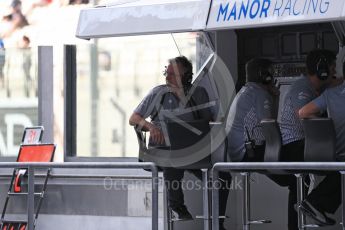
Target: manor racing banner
254,13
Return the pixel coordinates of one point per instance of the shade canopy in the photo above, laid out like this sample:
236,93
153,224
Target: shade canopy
137,17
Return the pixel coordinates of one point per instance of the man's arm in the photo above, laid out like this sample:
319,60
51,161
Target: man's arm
313,108
309,110
137,119
155,133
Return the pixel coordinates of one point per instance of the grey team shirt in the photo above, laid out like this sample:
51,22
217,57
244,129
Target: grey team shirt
333,100
250,106
299,94
161,104
171,105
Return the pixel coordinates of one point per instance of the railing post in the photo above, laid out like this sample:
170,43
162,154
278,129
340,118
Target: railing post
246,200
206,213
46,92
31,198
300,197
215,199
155,181
342,199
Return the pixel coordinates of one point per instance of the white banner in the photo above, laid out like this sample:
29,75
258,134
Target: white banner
254,13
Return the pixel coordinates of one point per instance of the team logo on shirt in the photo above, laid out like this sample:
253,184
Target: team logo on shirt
267,104
303,96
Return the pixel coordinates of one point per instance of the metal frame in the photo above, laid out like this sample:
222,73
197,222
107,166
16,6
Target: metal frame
257,166
117,165
247,221
46,91
70,100
206,205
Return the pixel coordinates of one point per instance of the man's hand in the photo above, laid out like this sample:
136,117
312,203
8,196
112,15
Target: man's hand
156,134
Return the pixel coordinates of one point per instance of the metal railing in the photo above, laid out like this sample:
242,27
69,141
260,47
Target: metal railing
271,166
116,165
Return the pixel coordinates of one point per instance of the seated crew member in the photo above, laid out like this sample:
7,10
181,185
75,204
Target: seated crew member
253,103
320,66
326,197
173,95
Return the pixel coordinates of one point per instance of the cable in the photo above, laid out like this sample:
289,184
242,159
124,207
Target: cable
176,44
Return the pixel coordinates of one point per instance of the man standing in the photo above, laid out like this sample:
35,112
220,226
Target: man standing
175,96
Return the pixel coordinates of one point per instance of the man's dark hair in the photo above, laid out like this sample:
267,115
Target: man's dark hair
314,57
188,68
16,3
254,69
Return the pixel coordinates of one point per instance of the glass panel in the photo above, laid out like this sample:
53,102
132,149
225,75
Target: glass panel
108,91
308,42
251,48
330,42
18,96
269,46
289,44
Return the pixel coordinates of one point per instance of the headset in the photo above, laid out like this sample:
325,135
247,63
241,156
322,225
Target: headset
322,68
187,78
265,76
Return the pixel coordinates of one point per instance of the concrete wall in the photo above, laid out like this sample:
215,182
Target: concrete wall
91,204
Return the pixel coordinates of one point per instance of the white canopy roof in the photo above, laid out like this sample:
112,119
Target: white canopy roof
134,17
143,17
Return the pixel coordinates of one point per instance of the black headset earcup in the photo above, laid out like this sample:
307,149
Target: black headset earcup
322,69
187,79
265,77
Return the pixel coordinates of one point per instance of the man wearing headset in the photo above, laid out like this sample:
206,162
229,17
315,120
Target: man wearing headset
320,65
176,94
254,102
326,197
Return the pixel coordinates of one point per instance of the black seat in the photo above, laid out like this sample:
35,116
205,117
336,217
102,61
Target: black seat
320,140
319,147
272,154
189,146
176,131
273,140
